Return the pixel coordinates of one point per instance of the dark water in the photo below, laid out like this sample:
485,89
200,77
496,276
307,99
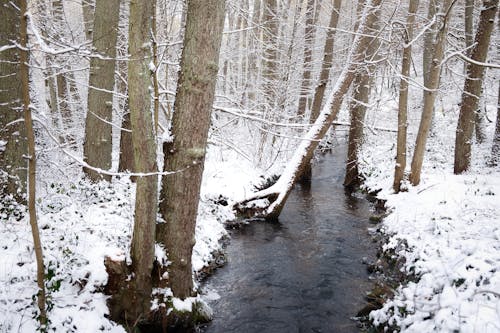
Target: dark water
303,274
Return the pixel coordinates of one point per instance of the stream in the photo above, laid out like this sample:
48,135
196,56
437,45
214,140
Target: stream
304,273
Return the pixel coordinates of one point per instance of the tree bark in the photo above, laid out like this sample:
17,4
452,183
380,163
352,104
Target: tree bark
88,18
472,87
360,99
13,144
327,62
279,192
304,98
144,145
399,170
190,125
37,244
97,146
430,93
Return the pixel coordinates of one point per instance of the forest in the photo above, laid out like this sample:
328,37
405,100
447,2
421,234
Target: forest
146,145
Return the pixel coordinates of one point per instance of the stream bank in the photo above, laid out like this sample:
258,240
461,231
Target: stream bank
306,272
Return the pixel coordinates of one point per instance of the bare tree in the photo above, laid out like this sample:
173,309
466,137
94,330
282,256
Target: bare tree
279,192
431,89
304,98
144,146
360,98
472,86
190,124
24,74
403,97
98,131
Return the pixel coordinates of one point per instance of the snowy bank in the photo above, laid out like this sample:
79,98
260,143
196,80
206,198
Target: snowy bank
447,229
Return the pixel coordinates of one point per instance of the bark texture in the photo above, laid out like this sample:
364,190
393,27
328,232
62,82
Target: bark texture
13,144
431,85
144,146
359,104
326,66
304,99
472,87
399,170
98,139
190,125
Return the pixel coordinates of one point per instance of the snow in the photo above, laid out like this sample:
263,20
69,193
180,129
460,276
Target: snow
447,229
80,224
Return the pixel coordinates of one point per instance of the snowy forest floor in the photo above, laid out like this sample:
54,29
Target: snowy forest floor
447,230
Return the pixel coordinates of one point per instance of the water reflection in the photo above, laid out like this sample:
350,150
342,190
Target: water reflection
303,273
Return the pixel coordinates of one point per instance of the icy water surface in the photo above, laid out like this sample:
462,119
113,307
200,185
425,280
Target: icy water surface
304,273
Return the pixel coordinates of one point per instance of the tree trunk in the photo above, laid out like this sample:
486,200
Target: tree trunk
13,145
403,98
144,145
190,125
327,62
279,192
88,18
472,87
361,97
97,146
430,93
304,99
495,148
429,44
25,91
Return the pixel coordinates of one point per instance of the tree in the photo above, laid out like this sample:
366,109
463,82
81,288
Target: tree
495,148
190,125
358,105
403,97
326,65
308,48
472,87
98,131
25,91
144,148
279,192
431,84
13,144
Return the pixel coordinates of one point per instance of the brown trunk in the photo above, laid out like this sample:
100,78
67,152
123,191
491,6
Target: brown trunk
304,99
190,125
144,146
24,75
327,62
430,93
360,99
88,18
403,98
472,87
270,67
13,145
97,146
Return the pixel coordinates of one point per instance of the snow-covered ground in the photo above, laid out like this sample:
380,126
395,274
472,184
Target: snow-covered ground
447,229
80,224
